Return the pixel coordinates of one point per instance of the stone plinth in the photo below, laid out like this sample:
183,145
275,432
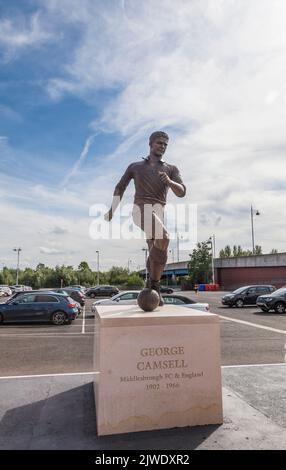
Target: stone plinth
157,370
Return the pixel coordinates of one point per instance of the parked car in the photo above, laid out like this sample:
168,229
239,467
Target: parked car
123,298
246,295
76,287
275,301
166,290
6,290
17,288
181,300
38,291
20,288
102,291
52,291
130,298
34,307
75,294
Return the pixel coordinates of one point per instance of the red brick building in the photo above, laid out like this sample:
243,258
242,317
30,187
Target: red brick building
234,272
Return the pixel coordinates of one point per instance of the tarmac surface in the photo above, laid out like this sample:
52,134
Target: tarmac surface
58,413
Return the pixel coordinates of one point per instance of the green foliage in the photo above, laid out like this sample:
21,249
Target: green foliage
200,264
83,266
118,275
44,276
227,252
134,280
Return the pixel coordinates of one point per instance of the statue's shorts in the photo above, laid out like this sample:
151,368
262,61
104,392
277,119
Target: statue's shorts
150,218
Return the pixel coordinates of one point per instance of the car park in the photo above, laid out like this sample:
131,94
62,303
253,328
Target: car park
38,307
130,298
246,295
275,301
102,291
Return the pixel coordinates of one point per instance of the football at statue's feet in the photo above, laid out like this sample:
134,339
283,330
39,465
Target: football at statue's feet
148,299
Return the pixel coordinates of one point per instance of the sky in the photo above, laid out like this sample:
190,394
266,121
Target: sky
83,83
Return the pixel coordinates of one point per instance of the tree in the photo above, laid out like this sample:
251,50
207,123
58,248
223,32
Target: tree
134,280
118,276
274,251
227,252
83,266
257,250
200,264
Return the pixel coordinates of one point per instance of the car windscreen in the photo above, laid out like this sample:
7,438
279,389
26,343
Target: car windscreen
281,291
239,290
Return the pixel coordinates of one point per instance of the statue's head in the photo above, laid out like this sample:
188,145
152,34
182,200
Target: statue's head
158,142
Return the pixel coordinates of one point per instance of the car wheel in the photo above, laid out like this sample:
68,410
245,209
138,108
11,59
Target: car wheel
1,319
239,303
59,318
280,307
92,296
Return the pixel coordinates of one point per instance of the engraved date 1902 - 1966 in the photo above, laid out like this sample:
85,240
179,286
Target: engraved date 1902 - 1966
168,385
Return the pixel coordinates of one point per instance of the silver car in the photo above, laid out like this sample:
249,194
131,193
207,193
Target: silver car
130,298
6,290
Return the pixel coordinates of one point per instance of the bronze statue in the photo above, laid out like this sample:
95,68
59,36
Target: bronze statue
152,178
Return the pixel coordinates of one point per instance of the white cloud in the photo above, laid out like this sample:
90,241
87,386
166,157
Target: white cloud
50,251
213,74
20,33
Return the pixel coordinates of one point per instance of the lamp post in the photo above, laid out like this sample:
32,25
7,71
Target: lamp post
18,262
173,256
97,252
146,273
211,242
252,226
178,246
128,264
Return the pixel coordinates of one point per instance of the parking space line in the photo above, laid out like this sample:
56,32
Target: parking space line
48,335
254,365
255,325
83,321
47,375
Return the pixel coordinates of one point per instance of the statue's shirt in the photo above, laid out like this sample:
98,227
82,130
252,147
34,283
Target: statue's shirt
149,189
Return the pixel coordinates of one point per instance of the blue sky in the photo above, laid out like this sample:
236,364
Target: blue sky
82,85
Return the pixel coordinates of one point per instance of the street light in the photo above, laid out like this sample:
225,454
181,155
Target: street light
18,259
173,255
146,273
211,241
129,263
179,237
97,267
252,211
